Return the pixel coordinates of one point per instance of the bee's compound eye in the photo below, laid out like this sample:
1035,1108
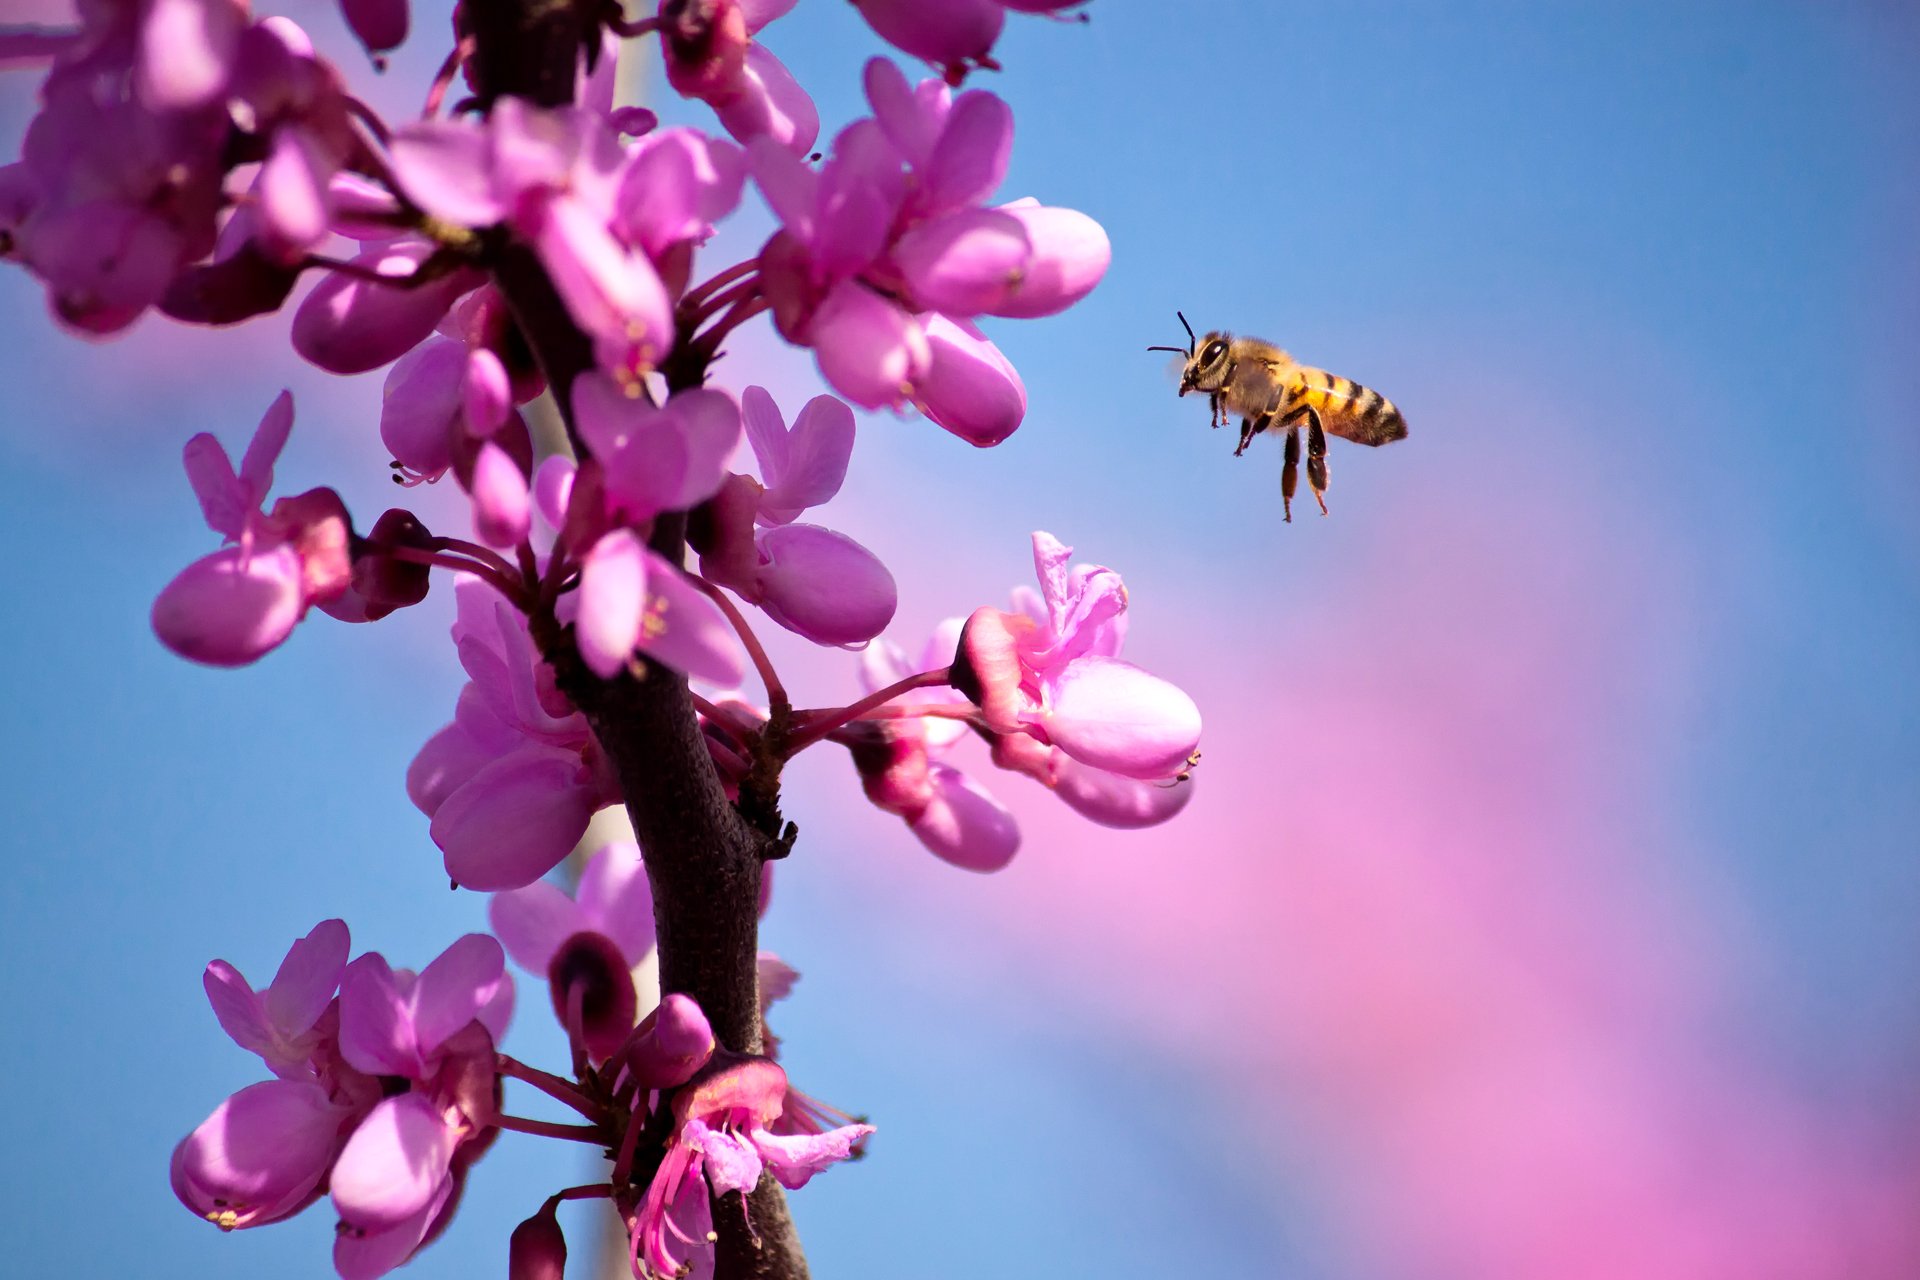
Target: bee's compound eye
1214,351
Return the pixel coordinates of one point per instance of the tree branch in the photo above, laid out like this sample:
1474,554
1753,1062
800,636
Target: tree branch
703,861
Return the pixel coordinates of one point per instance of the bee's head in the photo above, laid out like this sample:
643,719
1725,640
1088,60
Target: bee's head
1208,366
1207,362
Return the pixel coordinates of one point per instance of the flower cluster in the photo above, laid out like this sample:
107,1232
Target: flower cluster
189,158
384,1093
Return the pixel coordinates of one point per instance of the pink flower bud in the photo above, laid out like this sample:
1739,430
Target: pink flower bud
963,824
502,509
537,1250
950,32
1114,801
869,349
231,608
351,325
969,388
1112,715
672,1043
589,968
1070,255
260,1156
613,602
380,24
486,392
966,262
418,405
823,585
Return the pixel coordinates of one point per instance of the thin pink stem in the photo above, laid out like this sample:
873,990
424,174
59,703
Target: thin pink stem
443,78
508,587
486,555
742,312
628,30
708,308
551,1085
776,692
592,1133
819,724
590,1191
706,289
629,1142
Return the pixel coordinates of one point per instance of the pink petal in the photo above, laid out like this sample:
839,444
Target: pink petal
229,608
376,1020
502,508
186,51
686,631
816,455
307,979
1112,715
1114,801
679,183
486,394
261,1153
455,986
786,182
964,263
241,1012
224,501
293,189
824,585
418,403
360,1254
514,821
672,1043
449,758
971,157
446,167
869,349
615,898
613,601
769,103
393,1165
759,13
362,208
964,825
766,433
532,923
911,122
1070,256
553,488
732,1164
795,1157
269,438
611,291
970,388
350,325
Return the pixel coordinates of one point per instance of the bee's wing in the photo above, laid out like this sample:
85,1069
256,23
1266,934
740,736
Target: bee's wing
1349,410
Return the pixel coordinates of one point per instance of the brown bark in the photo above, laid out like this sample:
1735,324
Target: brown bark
703,861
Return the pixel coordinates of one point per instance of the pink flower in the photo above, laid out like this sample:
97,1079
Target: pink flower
585,946
655,459
711,55
814,582
1053,674
436,1033
952,815
722,1140
232,607
633,601
512,782
349,324
954,35
554,176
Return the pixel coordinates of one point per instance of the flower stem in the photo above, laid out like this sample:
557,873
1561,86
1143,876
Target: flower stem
551,1085
707,288
811,726
776,692
507,586
592,1133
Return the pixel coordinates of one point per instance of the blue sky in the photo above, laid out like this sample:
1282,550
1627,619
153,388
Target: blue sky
1651,267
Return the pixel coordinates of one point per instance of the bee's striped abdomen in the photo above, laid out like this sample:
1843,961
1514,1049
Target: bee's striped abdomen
1357,413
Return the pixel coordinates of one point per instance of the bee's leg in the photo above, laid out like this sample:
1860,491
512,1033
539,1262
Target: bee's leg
1219,417
1317,459
1290,473
1247,431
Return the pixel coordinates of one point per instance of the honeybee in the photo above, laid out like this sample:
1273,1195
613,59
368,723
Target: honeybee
1270,389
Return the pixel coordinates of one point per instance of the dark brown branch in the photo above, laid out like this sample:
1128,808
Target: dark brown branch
703,861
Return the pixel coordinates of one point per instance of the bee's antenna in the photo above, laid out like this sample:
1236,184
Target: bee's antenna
1179,351
1192,341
